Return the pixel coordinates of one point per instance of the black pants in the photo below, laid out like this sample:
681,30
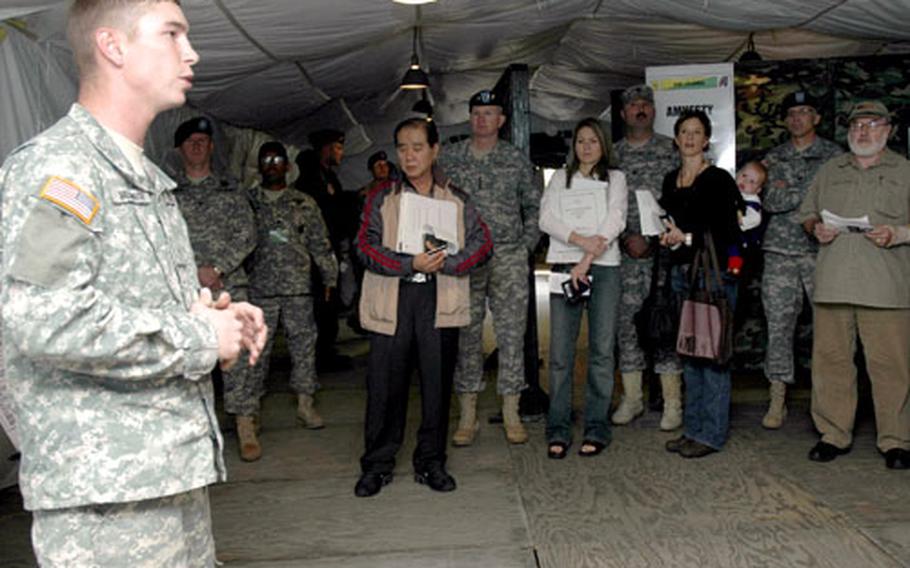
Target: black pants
388,379
326,315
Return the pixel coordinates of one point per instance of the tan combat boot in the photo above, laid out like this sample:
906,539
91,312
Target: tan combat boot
468,424
307,414
511,421
250,450
631,406
777,409
670,384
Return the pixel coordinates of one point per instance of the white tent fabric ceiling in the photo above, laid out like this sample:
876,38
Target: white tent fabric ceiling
287,66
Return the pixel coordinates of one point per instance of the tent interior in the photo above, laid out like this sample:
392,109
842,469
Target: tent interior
283,68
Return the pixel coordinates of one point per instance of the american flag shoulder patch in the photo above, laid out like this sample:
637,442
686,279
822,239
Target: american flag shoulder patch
71,198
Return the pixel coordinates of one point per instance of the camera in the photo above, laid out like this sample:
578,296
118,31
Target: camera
574,295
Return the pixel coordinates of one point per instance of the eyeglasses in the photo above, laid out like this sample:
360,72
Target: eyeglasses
272,160
857,126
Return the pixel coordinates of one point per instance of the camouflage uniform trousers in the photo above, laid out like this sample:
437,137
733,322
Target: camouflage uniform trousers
784,280
237,378
636,285
504,282
167,531
295,313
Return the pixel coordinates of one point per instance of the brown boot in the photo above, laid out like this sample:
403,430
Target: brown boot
511,421
777,408
467,423
250,450
306,412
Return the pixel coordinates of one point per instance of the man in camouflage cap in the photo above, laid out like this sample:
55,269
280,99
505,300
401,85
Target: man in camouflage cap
290,232
789,253
223,233
645,156
107,337
499,179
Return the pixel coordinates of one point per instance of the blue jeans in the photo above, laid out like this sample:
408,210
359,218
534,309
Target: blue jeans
565,322
707,411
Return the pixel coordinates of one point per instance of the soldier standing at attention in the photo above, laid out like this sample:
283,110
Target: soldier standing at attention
789,253
290,231
645,157
223,234
498,178
108,339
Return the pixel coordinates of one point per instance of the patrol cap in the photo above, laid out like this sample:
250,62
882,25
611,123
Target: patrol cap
324,137
638,92
485,97
379,156
798,98
274,147
869,108
199,124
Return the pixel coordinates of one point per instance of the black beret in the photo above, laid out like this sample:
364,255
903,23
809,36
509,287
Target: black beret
798,98
379,156
485,97
192,126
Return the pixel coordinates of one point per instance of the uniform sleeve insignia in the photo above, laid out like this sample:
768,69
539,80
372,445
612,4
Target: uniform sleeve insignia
71,198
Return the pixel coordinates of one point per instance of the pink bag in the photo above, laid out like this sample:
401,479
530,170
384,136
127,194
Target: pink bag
706,321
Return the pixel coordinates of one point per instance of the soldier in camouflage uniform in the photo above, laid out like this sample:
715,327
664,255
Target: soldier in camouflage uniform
789,253
108,341
499,180
645,157
290,231
223,233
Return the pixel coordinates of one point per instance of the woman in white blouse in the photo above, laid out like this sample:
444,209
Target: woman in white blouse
584,211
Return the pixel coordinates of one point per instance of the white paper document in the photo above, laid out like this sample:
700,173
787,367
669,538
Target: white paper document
855,224
418,216
649,213
583,207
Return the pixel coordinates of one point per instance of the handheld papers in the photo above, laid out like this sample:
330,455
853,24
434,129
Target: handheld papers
419,215
853,224
649,213
582,208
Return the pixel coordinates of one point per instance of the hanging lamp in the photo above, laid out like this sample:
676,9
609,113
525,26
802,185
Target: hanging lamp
415,77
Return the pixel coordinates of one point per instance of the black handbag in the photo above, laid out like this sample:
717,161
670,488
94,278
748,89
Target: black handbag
657,321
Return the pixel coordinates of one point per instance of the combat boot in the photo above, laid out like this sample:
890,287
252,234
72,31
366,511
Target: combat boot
468,424
777,409
307,414
511,421
631,406
250,450
670,384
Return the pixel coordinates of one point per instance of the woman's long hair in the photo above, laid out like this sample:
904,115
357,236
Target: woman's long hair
599,171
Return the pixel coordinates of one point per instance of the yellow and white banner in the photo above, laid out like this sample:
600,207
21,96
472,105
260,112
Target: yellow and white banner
704,87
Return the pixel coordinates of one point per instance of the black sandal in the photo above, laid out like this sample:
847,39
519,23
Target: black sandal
598,447
557,450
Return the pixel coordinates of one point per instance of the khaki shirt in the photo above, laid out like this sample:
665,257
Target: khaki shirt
851,269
